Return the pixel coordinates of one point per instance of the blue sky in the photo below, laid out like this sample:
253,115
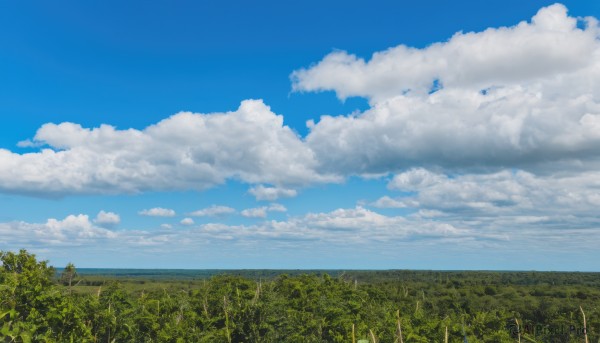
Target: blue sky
429,135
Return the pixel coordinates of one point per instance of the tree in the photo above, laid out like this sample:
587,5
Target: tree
25,295
68,275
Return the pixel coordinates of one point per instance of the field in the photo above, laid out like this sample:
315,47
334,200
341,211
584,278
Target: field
43,304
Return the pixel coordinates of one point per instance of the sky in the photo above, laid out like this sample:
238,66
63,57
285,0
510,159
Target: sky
302,135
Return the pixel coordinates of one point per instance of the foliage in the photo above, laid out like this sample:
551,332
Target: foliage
37,305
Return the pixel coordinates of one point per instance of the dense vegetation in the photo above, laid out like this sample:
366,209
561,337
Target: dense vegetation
39,305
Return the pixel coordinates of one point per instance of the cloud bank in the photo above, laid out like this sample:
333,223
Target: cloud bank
342,226
525,97
486,138
184,151
347,233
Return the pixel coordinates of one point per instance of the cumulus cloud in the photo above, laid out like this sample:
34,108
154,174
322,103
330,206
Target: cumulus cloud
74,230
387,202
526,96
276,208
261,212
184,151
187,221
158,212
569,200
382,228
107,218
490,136
353,228
261,192
359,230
354,225
415,179
551,44
214,210
257,212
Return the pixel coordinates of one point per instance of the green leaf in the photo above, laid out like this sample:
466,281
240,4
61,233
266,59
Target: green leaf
25,338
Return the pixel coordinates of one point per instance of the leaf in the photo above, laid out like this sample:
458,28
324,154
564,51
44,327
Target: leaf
25,338
3,314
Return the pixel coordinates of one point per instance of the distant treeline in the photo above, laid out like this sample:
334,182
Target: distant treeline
195,274
41,304
371,276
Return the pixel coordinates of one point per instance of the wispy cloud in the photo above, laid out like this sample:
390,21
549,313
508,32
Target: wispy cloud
157,212
351,228
488,139
257,212
276,208
491,230
214,210
261,212
509,194
387,202
263,193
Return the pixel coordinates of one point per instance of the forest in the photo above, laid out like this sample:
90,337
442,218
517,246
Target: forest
39,303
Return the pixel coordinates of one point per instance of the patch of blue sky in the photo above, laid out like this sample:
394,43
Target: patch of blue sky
132,64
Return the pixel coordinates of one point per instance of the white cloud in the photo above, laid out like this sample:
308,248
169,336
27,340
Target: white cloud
74,230
358,230
184,151
276,208
166,226
495,134
526,96
387,202
352,227
214,210
551,44
261,212
187,221
564,199
355,225
261,192
414,179
158,212
107,218
257,212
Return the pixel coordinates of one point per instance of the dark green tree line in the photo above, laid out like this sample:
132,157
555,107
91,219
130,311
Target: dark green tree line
36,305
